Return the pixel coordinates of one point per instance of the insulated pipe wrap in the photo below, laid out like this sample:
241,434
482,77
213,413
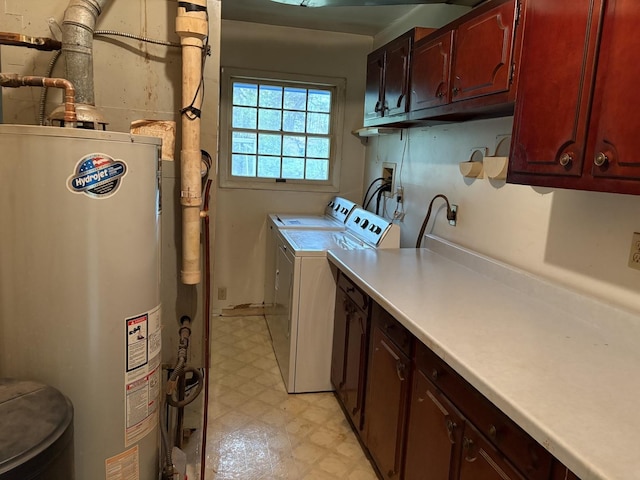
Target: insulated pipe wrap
192,27
78,26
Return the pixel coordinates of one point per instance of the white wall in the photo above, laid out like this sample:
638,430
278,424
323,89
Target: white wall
579,239
241,221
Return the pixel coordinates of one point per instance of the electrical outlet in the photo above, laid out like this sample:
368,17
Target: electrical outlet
222,293
388,174
634,254
454,220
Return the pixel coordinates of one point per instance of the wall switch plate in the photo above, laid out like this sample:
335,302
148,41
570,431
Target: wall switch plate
634,254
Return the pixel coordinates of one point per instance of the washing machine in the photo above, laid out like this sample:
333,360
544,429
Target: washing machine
301,326
334,218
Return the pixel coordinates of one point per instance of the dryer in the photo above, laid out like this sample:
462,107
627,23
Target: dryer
334,218
301,326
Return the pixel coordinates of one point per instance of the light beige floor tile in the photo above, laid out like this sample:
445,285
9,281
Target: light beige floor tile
259,432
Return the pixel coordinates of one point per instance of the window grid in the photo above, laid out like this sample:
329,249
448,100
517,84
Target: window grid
299,131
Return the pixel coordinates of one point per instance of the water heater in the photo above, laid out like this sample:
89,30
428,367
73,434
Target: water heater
80,286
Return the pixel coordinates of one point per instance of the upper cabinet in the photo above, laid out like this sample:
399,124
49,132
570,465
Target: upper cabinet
387,89
575,116
470,59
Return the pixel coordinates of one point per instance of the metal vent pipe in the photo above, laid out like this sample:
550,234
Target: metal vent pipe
78,27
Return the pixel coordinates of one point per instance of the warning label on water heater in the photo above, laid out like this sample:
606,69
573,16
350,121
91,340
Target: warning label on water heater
142,376
97,175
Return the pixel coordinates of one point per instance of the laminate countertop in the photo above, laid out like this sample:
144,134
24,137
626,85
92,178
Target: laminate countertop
562,365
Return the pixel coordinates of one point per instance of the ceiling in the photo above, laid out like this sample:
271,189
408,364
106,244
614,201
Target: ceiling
357,20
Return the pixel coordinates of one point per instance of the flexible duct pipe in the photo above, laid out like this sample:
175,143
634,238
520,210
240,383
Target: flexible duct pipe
13,80
192,27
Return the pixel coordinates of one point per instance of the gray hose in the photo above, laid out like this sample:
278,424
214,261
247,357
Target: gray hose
136,37
45,90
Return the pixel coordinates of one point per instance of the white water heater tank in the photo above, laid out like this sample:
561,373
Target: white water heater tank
80,286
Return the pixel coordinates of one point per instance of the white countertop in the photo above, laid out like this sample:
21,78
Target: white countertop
565,367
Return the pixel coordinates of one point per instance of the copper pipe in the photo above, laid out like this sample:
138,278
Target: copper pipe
206,314
15,80
39,43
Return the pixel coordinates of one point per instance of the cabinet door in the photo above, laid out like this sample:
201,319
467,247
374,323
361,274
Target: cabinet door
614,144
341,313
483,54
355,365
481,461
430,70
387,389
374,90
396,77
434,434
554,86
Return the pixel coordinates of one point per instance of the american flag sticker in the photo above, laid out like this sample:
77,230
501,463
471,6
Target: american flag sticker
97,175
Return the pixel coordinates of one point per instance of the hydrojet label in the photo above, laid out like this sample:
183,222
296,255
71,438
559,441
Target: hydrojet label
97,175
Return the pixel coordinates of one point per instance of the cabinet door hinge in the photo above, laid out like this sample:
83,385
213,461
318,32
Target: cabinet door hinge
518,11
513,73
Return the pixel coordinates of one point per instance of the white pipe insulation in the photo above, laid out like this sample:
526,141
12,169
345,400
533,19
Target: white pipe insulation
192,26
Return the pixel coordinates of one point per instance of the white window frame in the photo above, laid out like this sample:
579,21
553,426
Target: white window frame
338,86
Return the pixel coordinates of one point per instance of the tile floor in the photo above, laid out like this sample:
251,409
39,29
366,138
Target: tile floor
257,431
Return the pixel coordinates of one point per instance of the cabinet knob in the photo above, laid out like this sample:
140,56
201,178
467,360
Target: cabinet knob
455,91
493,432
467,445
600,159
434,374
566,159
451,426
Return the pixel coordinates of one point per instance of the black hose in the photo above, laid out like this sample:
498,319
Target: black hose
380,188
450,215
364,199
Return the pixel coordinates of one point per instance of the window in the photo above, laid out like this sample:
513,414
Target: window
280,131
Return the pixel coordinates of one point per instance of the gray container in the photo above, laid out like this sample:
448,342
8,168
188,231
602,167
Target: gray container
80,285
36,422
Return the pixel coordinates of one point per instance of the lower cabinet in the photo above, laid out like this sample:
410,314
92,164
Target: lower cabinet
434,433
481,460
349,355
387,394
418,418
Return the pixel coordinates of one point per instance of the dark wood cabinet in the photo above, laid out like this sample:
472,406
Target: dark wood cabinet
523,452
415,415
349,355
387,81
483,55
387,393
576,106
374,89
467,67
434,433
481,460
431,72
